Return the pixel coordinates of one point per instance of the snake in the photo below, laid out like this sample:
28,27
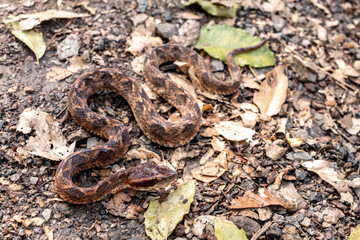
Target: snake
144,176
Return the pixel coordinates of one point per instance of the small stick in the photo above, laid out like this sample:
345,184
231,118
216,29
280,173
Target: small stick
56,34
338,82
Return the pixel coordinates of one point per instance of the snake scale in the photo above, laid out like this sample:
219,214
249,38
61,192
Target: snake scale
146,175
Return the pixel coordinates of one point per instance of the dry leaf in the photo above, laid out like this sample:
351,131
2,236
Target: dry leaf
137,64
209,132
289,196
49,142
57,74
49,232
77,63
252,200
328,174
351,125
211,170
180,153
218,145
273,92
234,131
140,41
29,21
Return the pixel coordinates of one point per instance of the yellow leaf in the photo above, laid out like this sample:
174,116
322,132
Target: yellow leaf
32,38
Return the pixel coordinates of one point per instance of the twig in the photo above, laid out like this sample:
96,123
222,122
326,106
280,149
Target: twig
92,226
338,82
262,230
253,72
56,34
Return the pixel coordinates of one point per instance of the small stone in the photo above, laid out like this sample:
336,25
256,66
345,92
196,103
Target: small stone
33,180
298,156
264,213
79,135
47,213
142,6
92,142
68,47
216,65
1,123
306,222
357,65
305,42
273,151
139,19
332,215
166,30
62,207
274,232
250,226
315,197
321,33
279,22
300,174
28,89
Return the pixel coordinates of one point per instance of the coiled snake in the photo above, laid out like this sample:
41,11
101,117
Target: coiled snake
156,128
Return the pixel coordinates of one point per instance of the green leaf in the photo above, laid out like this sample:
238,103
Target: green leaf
162,218
219,40
32,38
216,9
355,235
226,230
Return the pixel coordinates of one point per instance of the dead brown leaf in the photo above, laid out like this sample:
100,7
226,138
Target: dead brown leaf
252,200
57,74
211,170
49,142
273,92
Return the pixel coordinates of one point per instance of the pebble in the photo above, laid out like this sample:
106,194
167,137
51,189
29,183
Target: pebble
273,151
1,123
298,156
274,232
139,19
250,226
29,89
216,65
315,197
264,213
68,47
306,222
33,180
279,22
61,207
79,135
47,213
166,30
332,215
300,174
305,42
321,33
357,65
142,6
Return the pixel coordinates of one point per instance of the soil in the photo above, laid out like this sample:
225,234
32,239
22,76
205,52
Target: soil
321,33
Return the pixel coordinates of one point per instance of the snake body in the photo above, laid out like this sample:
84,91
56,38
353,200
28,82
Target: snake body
155,127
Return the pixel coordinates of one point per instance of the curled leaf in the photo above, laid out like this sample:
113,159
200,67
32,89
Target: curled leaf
273,91
32,38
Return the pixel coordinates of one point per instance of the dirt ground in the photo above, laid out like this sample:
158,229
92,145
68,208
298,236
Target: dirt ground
322,108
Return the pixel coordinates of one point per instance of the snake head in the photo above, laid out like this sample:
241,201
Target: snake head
149,175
